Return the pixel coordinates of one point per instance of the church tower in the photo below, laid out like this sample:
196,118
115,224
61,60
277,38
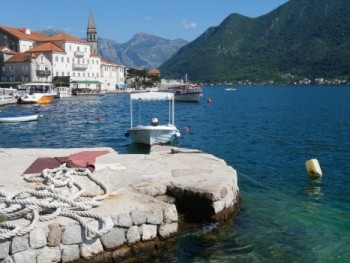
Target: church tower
91,34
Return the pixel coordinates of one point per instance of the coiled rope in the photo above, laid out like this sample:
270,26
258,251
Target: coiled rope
58,195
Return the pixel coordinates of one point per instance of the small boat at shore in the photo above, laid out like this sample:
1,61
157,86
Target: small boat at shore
63,92
6,117
87,92
154,133
37,93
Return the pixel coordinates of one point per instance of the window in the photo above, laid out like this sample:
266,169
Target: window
56,59
62,59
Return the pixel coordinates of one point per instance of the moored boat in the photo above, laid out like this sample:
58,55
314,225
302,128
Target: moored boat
63,92
187,92
17,117
88,92
37,93
154,133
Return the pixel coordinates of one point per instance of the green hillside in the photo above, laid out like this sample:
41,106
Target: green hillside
300,39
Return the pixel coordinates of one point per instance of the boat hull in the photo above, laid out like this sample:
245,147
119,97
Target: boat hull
187,92
153,135
36,99
188,97
63,92
18,118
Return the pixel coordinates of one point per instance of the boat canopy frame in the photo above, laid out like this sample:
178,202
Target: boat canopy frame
152,96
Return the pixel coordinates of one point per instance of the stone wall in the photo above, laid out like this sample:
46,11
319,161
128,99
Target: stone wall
68,243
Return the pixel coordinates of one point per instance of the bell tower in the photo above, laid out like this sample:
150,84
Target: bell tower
91,34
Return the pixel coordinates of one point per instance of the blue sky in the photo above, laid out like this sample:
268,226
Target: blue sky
120,20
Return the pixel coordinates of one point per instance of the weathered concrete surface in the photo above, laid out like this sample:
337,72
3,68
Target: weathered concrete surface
7,101
203,186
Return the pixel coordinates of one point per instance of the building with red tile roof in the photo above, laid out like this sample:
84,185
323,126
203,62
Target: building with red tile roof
30,56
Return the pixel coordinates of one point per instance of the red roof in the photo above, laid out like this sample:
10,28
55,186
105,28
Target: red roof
46,47
6,50
154,72
20,33
20,57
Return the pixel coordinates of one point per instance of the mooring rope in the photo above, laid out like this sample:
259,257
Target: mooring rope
48,201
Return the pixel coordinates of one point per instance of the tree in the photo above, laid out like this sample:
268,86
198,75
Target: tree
141,77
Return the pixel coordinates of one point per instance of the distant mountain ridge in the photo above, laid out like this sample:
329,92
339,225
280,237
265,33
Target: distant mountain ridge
142,51
302,38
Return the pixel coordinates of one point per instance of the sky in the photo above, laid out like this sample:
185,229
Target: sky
120,20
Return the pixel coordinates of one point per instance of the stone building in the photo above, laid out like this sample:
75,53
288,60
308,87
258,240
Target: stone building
29,56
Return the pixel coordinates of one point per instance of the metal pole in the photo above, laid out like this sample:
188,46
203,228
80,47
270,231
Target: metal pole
131,121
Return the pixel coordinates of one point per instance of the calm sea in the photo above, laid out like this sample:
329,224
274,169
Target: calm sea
267,134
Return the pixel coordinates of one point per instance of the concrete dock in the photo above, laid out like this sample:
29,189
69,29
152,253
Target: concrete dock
7,101
130,202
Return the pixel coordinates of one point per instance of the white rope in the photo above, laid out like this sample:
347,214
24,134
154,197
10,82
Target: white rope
48,202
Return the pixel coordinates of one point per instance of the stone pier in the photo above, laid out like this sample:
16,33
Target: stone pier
129,204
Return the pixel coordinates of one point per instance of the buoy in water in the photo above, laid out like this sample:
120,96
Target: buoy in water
187,129
209,100
313,167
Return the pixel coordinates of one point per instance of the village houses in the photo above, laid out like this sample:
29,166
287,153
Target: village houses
30,56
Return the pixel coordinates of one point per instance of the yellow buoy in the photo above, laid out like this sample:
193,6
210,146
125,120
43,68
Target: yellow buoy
313,167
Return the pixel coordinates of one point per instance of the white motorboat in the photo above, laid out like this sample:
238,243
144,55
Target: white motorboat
230,89
18,117
154,133
63,92
187,92
39,93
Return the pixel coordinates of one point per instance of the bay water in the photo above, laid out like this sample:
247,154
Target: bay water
266,133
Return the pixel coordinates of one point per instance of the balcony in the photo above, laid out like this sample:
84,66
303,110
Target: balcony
43,73
80,66
78,53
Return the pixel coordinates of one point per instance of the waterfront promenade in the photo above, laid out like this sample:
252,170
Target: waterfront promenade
128,204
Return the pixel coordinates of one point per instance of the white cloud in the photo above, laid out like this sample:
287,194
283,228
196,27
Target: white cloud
186,24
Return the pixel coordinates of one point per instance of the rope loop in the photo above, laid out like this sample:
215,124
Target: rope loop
58,195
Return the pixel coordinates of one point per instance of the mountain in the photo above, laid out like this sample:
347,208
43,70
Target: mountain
302,38
141,51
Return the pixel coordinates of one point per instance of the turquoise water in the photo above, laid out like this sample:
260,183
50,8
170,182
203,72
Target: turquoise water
267,134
